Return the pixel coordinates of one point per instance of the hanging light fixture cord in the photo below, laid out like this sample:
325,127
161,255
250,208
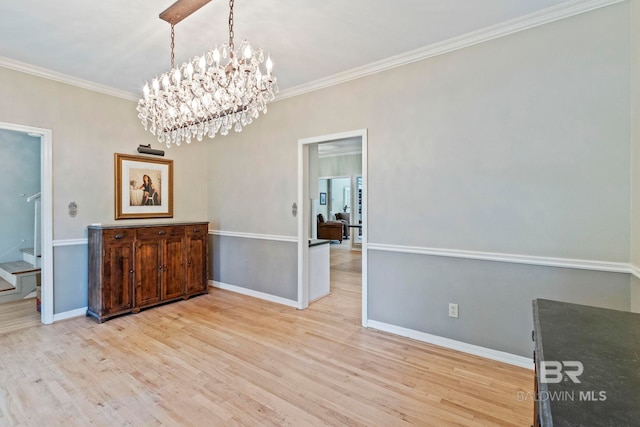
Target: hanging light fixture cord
218,91
173,45
231,46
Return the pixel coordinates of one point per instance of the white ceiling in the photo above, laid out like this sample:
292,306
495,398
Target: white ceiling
123,43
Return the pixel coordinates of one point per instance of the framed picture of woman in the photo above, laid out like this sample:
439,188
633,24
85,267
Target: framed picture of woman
143,187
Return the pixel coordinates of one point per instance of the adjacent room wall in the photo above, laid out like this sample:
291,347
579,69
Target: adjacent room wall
348,164
19,179
516,146
88,128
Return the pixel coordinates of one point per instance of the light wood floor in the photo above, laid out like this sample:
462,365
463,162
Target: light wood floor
227,359
18,315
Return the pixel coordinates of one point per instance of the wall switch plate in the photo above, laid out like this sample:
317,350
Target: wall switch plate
453,310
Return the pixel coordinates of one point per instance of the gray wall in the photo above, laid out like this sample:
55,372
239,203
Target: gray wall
88,128
265,266
70,277
519,145
19,179
494,298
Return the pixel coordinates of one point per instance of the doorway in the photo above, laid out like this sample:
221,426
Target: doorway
307,203
44,247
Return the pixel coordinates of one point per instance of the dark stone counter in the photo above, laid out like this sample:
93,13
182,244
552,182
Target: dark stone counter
318,242
607,344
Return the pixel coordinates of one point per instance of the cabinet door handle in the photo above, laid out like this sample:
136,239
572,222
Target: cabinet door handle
161,232
196,230
159,268
130,271
533,335
119,236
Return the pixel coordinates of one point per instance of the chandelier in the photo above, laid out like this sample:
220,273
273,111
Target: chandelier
223,89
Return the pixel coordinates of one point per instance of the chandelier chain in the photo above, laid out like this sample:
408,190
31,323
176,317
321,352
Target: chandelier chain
173,44
220,91
231,46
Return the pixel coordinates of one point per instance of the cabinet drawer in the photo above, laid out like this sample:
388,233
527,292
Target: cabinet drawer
197,230
118,235
160,232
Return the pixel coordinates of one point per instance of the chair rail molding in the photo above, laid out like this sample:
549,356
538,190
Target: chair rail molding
605,266
272,237
70,242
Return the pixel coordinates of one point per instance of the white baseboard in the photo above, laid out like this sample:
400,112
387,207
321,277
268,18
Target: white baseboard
476,350
255,294
69,314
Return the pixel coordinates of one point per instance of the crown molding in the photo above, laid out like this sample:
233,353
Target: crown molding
532,20
542,17
64,78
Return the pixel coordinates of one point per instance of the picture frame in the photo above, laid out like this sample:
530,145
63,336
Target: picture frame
143,187
323,198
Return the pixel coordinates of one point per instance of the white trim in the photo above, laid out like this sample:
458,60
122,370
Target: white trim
70,314
476,350
252,293
65,78
611,267
46,189
536,19
634,270
272,237
70,242
304,207
364,244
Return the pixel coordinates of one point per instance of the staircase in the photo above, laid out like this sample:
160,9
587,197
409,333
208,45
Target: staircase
18,279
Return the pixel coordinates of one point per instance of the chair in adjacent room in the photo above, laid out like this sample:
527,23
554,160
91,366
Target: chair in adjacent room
330,230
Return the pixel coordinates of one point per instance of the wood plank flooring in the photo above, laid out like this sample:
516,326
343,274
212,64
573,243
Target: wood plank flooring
228,359
17,315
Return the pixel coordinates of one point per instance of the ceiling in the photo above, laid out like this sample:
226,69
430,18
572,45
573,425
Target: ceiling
122,43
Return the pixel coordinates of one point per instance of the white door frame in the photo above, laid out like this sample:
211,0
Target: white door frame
46,190
304,207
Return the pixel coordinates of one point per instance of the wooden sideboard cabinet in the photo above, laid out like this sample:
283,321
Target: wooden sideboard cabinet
135,267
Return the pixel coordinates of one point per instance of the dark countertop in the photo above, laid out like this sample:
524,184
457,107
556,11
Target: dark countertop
607,343
318,242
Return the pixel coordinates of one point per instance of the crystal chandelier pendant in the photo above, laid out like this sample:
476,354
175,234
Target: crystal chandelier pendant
224,89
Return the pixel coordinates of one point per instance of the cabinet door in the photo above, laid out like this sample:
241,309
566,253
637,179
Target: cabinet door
173,280
148,272
196,259
117,285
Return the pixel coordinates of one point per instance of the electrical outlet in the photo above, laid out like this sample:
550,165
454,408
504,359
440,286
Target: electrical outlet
453,310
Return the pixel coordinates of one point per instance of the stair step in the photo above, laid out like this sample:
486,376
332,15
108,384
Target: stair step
28,251
5,286
19,267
